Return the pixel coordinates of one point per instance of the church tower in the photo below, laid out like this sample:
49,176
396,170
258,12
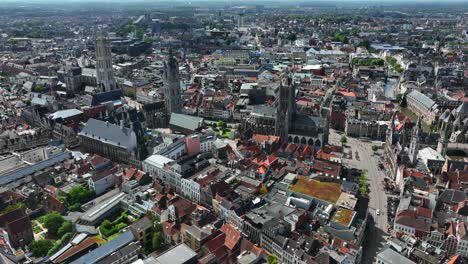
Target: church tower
104,71
172,92
414,145
443,139
285,108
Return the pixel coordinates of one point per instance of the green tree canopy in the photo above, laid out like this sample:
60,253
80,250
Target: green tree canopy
53,222
365,43
66,227
13,207
39,248
292,37
344,140
363,183
77,196
272,259
157,241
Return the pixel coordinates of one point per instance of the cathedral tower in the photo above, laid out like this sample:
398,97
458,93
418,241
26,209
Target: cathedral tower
104,71
172,91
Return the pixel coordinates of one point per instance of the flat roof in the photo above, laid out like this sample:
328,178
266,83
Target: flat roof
158,160
106,249
325,191
96,211
65,113
176,255
390,256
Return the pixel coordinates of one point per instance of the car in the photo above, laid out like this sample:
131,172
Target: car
377,212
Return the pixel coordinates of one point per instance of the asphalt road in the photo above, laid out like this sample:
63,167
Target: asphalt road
362,158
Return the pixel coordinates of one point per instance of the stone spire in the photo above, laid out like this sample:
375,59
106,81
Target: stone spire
104,71
415,137
172,93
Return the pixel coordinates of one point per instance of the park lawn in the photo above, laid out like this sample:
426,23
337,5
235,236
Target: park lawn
414,118
326,191
37,229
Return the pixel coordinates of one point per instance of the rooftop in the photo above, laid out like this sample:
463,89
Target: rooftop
106,249
326,191
110,133
343,216
392,257
186,121
177,255
65,113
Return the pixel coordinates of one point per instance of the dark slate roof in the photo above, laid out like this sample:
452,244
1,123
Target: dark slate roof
109,133
185,121
422,98
142,224
452,196
109,96
463,108
120,254
153,106
106,249
264,110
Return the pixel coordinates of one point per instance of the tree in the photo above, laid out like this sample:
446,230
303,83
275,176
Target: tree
53,222
222,125
39,248
363,183
157,226
148,40
292,37
77,196
365,43
272,259
344,140
34,200
158,241
403,102
13,207
66,227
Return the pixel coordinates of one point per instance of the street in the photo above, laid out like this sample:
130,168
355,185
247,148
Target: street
362,158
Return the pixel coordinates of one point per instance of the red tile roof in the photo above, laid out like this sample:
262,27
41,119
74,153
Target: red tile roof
215,243
264,138
76,249
96,159
232,236
346,93
169,228
424,212
329,168
132,173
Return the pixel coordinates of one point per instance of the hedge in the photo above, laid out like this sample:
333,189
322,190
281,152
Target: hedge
59,243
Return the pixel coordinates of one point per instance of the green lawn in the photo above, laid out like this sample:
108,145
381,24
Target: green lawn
37,229
41,219
413,117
